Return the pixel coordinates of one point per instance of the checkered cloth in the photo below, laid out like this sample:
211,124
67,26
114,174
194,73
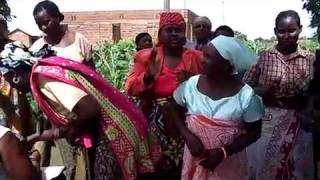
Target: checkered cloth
289,74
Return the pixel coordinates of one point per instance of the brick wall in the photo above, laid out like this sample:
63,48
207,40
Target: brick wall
98,25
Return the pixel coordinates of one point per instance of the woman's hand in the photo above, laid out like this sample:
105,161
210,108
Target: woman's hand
195,145
47,135
72,134
307,115
35,158
153,67
214,158
306,120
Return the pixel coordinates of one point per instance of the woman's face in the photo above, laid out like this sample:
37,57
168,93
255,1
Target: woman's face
47,23
287,31
173,36
145,42
201,30
214,65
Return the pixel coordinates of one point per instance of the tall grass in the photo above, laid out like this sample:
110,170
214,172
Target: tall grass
112,60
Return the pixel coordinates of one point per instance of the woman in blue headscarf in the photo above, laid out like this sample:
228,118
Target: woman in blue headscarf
222,114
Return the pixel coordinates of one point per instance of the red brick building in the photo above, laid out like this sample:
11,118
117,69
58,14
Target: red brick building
25,38
114,25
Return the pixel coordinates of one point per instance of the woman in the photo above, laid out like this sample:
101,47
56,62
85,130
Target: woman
202,31
16,112
223,115
281,77
67,44
98,121
15,164
14,161
143,41
14,109
223,30
155,75
314,91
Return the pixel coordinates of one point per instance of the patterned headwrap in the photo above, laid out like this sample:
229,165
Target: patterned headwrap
239,56
172,18
16,55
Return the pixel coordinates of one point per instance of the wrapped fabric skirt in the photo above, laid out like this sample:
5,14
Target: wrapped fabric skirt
163,135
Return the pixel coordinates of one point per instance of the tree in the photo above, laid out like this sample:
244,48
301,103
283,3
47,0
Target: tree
273,39
239,35
259,39
5,10
313,6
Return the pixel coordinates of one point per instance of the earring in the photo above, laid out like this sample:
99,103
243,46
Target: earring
16,79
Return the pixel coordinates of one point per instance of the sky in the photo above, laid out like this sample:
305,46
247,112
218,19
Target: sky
255,18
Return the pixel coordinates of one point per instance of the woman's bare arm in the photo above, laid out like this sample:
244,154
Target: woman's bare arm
15,159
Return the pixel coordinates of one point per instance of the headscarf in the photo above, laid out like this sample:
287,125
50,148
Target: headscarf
16,55
172,18
239,56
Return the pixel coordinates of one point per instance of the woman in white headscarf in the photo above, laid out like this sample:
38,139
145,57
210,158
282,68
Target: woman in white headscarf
240,56
222,115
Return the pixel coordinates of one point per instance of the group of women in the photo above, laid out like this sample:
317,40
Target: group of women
190,116
239,116
100,134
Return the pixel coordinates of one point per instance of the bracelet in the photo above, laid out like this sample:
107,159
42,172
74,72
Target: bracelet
225,155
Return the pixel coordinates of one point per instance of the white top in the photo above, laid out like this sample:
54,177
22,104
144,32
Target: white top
3,131
62,97
245,106
80,50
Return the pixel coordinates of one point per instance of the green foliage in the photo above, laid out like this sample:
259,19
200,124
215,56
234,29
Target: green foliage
35,109
240,36
309,45
257,45
112,60
5,10
260,44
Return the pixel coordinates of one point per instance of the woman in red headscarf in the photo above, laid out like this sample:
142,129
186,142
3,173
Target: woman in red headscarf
156,73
